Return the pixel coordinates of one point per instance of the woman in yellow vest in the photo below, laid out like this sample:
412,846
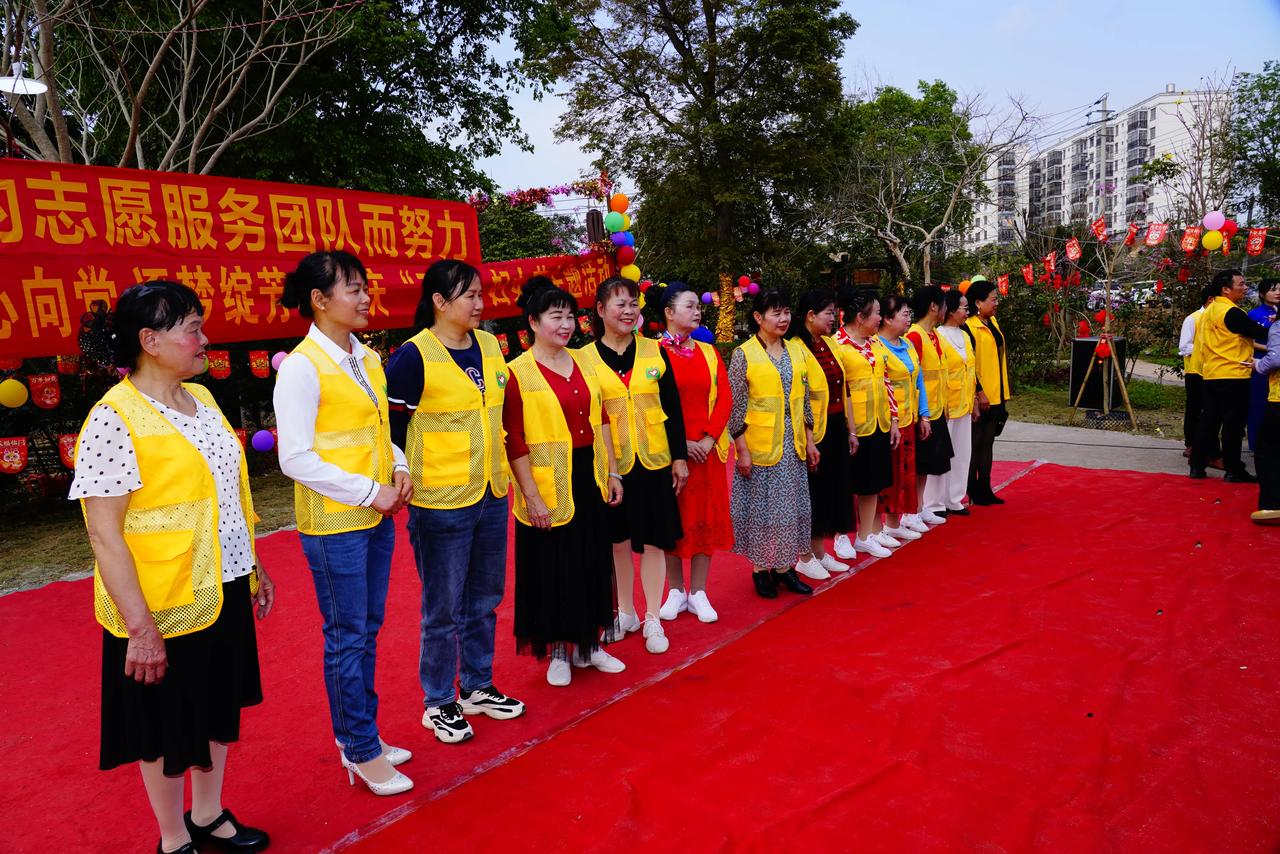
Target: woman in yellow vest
772,428
445,389
335,444
992,365
161,478
642,404
873,417
934,454
558,446
903,370
830,489
1267,452
705,402
961,389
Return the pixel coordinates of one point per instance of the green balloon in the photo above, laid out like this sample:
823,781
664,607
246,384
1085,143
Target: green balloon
613,221
978,278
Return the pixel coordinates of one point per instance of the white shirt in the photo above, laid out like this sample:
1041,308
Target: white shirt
107,467
1187,337
958,338
297,401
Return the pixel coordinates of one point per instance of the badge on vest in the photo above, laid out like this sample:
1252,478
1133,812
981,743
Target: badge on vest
653,373
502,379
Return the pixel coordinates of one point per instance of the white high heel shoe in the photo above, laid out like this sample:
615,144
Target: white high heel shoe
395,755
397,784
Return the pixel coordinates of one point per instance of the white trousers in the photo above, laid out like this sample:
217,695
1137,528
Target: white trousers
946,491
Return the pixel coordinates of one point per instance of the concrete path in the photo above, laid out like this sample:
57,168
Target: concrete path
1153,373
1096,449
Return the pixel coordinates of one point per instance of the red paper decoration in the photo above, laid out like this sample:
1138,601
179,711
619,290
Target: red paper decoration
1132,234
45,391
13,454
219,363
243,435
503,344
523,335
67,449
260,363
1191,238
1050,261
69,364
1156,232
10,364
1257,239
584,323
1083,330
1073,249
1103,350
1099,229
1002,283
1028,274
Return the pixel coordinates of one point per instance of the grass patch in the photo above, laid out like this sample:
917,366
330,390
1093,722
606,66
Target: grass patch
1157,407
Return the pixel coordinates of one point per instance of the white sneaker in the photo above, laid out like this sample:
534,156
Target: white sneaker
655,639
559,673
812,568
623,624
701,607
830,564
931,518
884,539
902,532
676,603
912,522
600,660
872,547
844,548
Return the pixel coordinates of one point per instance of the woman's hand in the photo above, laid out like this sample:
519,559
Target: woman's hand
387,501
983,403
679,475
895,436
707,443
925,429
615,489
853,444
539,515
696,452
742,462
811,455
404,484
266,596
145,659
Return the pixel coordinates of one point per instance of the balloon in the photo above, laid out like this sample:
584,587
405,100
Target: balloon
619,238
278,359
1229,228
645,284
619,203
613,221
263,441
743,281
654,326
1212,240
1213,220
978,278
628,238
626,255
964,286
630,271
13,393
626,222
706,298
703,334
753,288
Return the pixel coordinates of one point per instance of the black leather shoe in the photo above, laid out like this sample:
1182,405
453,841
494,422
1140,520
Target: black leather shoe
1198,474
245,839
1241,476
992,498
765,585
963,511
792,582
189,848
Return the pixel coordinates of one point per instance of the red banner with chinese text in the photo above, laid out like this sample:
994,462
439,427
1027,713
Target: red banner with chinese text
1190,239
70,235
1257,239
1156,232
577,274
1131,235
1073,249
13,454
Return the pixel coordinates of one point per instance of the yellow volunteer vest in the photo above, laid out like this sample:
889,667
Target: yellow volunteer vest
353,434
867,400
1273,387
1223,353
550,445
713,367
819,391
171,526
962,379
993,371
764,418
454,444
1191,364
904,386
935,372
636,418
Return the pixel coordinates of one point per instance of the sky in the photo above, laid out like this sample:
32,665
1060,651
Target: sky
1057,56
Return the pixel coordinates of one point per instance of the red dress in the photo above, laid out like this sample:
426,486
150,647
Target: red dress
704,502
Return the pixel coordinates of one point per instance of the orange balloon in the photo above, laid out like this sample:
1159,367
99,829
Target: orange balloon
964,286
619,203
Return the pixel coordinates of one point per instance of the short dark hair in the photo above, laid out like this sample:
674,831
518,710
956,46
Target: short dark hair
891,304
449,278
319,271
925,298
816,300
856,301
765,300
1223,279
979,291
604,292
952,299
539,294
1267,285
1207,293
158,305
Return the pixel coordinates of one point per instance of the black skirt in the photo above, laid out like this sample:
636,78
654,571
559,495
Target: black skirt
648,514
830,487
872,466
933,455
564,575
211,675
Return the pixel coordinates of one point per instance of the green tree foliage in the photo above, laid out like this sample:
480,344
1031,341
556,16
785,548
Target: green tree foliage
1256,134
510,231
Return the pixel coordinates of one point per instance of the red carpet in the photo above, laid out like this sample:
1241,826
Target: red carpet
917,704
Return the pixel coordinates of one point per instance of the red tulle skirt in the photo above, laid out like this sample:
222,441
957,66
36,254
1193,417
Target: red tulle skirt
704,510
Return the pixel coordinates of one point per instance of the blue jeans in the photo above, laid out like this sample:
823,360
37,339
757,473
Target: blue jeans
351,572
462,563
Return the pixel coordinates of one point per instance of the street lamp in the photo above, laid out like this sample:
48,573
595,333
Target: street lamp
17,84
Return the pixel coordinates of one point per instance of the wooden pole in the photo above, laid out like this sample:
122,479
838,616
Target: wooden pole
1080,394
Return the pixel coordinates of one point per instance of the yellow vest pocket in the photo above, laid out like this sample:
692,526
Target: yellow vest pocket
446,458
164,561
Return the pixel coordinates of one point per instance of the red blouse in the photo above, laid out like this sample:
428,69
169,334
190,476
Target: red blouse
575,401
693,379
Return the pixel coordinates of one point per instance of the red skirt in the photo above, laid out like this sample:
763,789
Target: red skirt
704,510
901,496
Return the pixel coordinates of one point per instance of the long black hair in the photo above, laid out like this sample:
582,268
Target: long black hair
450,279
816,301
539,294
158,305
319,271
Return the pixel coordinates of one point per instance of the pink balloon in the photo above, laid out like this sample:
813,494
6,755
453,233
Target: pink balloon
278,359
1213,220
753,288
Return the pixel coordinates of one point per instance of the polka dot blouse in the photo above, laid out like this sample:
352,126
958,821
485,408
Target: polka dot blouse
107,466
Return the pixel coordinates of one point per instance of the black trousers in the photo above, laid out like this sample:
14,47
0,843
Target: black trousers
984,446
1226,409
1194,384
1267,457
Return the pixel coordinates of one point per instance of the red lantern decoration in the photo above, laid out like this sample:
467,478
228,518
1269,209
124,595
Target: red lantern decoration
1101,316
1229,229
1083,330
1103,350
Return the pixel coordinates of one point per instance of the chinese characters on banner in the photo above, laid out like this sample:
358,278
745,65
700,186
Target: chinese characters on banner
1002,283
1191,239
1050,261
579,275
1099,229
1156,232
70,235
1073,249
1257,239
1028,274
